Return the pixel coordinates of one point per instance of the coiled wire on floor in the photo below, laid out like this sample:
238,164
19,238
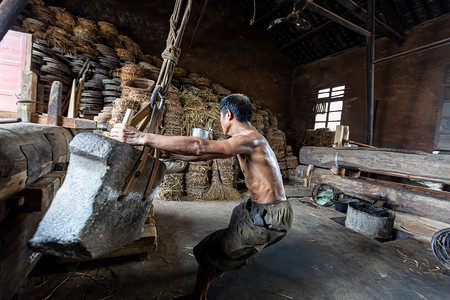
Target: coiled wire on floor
440,243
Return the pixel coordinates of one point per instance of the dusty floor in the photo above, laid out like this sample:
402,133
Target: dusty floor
319,259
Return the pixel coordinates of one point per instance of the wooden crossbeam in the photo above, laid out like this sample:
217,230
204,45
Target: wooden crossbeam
361,14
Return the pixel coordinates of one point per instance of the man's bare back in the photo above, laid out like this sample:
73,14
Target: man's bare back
261,171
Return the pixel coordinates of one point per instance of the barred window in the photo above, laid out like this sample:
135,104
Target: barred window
329,107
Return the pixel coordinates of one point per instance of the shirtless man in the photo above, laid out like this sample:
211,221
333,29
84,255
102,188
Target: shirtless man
262,220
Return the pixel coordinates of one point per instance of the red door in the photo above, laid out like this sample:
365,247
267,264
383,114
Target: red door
13,59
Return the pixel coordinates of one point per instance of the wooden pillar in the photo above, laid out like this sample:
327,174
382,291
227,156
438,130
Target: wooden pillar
370,71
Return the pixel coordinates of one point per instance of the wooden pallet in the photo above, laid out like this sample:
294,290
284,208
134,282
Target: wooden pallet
142,247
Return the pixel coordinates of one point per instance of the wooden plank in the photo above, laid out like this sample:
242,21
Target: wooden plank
66,122
55,104
404,199
423,166
421,228
11,185
39,195
16,259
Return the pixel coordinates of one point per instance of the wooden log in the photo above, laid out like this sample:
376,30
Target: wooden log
27,152
417,165
16,259
428,204
419,227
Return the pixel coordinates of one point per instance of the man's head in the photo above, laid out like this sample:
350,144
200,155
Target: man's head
239,106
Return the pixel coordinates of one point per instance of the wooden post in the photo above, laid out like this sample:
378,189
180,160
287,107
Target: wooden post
28,92
338,136
346,135
73,113
308,176
54,104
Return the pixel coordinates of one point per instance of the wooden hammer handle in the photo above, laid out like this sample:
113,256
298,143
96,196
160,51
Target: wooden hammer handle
128,116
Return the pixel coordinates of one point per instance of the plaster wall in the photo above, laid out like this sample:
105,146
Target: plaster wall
407,89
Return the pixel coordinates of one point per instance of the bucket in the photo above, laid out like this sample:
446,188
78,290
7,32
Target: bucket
342,205
376,223
201,133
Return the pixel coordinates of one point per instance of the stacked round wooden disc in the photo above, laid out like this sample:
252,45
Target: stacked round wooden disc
111,90
54,70
197,179
108,58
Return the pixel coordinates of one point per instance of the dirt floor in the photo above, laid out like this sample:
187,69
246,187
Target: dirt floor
319,259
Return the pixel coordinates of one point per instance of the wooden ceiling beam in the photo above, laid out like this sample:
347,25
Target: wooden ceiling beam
309,33
361,14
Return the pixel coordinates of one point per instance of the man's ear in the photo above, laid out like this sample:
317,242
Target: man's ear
229,115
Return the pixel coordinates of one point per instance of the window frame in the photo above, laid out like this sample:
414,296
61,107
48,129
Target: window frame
327,102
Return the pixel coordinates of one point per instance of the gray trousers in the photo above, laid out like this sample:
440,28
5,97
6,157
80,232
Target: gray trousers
253,226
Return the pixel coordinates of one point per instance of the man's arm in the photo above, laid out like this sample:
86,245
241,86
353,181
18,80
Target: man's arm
185,147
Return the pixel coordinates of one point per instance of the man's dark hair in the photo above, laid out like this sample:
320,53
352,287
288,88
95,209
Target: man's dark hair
239,105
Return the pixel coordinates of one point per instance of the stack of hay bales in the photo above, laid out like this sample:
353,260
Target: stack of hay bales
197,113
198,179
291,160
173,186
228,170
218,89
277,141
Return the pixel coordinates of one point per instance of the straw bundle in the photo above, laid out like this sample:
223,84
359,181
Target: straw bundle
42,13
127,43
196,192
63,18
220,90
172,112
202,81
119,109
197,178
36,2
59,38
157,61
322,137
32,25
196,112
228,171
204,95
84,46
180,72
130,71
218,190
108,31
146,58
87,30
124,53
217,130
172,188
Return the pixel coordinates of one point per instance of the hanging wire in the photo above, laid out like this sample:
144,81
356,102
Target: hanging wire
252,20
440,243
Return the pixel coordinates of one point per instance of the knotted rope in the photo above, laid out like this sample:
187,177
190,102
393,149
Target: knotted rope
173,45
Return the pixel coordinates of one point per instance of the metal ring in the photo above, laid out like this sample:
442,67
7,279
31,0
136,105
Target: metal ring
154,96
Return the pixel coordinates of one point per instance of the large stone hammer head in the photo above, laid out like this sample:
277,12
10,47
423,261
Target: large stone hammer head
87,218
